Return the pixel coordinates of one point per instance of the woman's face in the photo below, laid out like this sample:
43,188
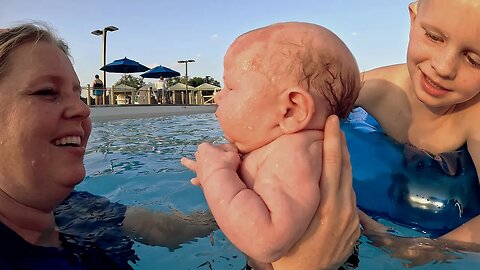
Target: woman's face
444,52
44,126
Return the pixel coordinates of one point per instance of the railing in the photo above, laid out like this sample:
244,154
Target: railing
112,96
209,99
88,90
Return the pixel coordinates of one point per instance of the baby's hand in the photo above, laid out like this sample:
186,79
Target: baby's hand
210,159
191,165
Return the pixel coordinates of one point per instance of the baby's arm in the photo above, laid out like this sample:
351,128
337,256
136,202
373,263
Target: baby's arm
267,224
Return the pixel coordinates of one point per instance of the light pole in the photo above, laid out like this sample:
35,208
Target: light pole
103,33
186,76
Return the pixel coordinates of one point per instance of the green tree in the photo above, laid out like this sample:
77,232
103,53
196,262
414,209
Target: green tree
175,80
132,81
212,81
195,81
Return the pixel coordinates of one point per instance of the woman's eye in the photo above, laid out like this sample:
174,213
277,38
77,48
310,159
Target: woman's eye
433,37
45,92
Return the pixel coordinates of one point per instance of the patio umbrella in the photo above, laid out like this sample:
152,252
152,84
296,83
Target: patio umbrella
160,71
124,65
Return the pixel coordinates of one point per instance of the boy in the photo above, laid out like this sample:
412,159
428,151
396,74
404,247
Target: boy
281,84
432,101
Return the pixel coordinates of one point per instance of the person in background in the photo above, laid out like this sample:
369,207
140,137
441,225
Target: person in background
281,84
98,89
161,86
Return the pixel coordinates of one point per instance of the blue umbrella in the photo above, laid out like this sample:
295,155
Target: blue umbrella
160,71
124,65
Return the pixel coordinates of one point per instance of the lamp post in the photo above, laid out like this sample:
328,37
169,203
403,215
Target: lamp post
186,76
103,33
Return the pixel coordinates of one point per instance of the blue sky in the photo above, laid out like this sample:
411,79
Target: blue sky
159,32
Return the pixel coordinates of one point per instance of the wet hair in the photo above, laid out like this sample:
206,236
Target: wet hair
319,71
338,83
12,38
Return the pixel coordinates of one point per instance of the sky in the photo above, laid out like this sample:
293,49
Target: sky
160,32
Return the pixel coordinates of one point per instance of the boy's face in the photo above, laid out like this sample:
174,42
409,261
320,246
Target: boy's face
247,102
444,52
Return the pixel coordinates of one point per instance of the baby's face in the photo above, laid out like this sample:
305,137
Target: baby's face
247,101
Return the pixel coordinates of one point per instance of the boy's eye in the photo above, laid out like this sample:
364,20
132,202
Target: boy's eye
473,59
433,36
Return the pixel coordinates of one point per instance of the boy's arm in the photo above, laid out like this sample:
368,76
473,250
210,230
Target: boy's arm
266,224
468,232
420,251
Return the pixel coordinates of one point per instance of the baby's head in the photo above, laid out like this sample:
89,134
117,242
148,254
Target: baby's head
284,78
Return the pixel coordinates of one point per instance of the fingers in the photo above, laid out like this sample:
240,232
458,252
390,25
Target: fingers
346,177
346,165
228,147
189,164
370,225
195,182
332,157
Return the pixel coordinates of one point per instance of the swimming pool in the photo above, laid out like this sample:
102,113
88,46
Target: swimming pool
136,162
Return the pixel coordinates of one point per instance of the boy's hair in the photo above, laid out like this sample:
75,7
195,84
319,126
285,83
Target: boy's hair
12,38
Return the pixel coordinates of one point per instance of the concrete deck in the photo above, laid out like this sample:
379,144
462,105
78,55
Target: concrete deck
107,113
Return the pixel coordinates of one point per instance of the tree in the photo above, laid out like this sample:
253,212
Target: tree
175,80
131,81
212,81
194,82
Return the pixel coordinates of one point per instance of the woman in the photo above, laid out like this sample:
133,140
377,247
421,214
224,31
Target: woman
98,89
45,129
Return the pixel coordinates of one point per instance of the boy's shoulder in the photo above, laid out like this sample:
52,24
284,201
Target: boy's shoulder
467,114
394,74
383,84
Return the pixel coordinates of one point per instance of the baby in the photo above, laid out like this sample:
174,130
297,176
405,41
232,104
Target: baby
281,83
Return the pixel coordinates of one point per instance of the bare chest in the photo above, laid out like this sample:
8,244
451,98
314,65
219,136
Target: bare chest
439,135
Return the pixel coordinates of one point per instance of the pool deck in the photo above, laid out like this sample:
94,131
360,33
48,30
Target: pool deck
108,113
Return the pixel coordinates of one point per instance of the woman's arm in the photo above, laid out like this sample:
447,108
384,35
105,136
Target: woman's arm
167,229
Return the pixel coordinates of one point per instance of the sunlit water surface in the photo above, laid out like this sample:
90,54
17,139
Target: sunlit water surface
136,162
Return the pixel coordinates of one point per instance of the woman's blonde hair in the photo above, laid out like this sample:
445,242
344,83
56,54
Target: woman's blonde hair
12,38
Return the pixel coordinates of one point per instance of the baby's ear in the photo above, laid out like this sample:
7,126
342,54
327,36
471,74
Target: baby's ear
297,108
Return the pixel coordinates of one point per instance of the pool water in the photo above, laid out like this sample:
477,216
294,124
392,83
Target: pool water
136,162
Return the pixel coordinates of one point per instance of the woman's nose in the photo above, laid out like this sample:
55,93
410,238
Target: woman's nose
77,109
